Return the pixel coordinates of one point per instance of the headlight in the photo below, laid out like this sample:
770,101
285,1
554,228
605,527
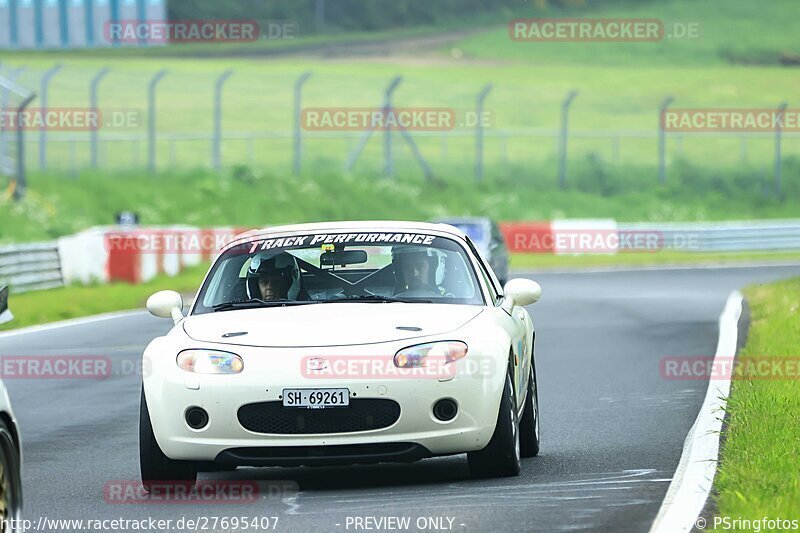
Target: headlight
210,362
433,353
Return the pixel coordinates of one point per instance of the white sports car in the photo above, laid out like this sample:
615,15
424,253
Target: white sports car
342,343
10,466
10,447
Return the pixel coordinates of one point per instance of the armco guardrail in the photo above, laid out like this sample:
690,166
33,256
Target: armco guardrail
592,236
27,267
724,236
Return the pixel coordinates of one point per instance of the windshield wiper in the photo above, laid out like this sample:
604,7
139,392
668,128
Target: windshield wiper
376,298
255,303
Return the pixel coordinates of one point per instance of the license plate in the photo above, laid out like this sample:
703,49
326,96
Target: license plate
316,398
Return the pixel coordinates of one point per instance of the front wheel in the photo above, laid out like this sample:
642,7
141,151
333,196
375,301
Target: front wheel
157,469
10,481
501,457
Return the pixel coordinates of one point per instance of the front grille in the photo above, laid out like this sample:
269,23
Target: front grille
362,415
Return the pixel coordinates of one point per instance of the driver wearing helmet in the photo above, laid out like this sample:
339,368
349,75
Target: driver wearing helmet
415,269
275,277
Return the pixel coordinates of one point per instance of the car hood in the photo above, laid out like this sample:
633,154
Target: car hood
335,324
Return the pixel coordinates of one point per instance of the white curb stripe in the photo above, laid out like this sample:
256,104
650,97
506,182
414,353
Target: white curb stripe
691,485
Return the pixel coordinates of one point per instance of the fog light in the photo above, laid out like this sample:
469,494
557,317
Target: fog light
445,410
196,417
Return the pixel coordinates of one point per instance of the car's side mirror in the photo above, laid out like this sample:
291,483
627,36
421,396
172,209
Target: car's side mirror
522,292
166,304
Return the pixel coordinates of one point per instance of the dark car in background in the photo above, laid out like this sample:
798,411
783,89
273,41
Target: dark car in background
488,239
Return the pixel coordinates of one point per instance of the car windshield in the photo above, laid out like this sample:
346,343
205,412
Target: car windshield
340,267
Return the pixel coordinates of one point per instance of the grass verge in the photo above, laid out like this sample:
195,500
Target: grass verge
758,463
252,197
41,307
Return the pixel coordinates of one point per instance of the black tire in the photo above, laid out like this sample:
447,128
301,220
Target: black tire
10,480
529,422
501,457
157,468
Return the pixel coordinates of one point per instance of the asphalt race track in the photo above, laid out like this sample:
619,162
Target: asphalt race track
613,428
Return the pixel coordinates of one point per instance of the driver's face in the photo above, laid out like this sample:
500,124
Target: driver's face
273,288
416,272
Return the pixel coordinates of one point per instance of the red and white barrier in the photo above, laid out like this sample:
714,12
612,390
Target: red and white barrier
585,236
137,255
567,236
84,257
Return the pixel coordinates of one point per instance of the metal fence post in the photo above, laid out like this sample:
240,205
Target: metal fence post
298,110
151,134
43,99
662,140
362,143
387,108
13,75
93,133
319,14
778,128
388,167
479,132
562,163
22,180
216,151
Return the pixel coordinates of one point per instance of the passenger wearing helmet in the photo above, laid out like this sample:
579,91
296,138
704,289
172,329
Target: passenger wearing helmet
273,277
415,269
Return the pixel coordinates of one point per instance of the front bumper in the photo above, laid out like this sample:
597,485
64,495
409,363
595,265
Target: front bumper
400,452
416,433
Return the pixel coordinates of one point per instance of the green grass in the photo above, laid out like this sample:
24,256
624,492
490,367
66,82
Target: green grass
761,450
57,206
41,307
659,258
731,32
621,86
301,42
525,105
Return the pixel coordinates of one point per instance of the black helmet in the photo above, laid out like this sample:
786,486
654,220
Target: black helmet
403,253
282,265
